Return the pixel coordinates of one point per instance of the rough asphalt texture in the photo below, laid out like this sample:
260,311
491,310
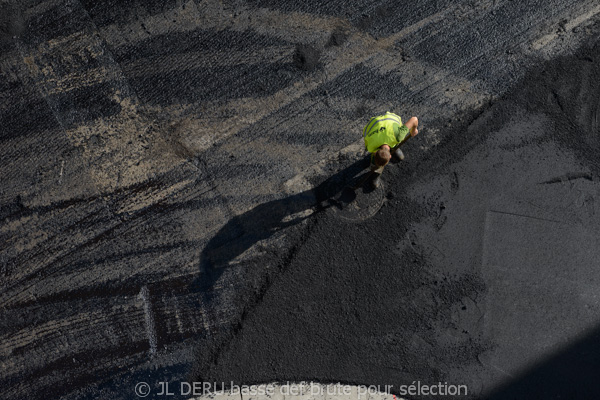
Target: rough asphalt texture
480,264
166,170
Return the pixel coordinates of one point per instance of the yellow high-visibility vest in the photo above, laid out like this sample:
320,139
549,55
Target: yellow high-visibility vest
384,129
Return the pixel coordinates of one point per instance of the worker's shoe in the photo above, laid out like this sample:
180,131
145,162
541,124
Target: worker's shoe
375,182
398,155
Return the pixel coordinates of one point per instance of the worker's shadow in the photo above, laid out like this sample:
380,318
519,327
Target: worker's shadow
264,220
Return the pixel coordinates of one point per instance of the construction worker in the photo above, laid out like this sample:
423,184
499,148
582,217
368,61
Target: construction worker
383,136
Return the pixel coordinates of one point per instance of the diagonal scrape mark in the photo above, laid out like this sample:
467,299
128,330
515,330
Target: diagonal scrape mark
525,216
149,317
570,176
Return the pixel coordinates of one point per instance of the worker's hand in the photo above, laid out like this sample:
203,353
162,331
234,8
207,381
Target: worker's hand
412,125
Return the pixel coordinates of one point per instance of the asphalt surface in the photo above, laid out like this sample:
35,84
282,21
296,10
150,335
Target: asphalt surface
173,202
480,265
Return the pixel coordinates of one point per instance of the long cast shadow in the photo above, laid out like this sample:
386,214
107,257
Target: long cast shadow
264,220
245,230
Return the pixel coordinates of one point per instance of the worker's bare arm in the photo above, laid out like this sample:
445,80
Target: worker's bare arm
412,125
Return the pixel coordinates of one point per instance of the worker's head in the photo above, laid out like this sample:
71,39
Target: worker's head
383,156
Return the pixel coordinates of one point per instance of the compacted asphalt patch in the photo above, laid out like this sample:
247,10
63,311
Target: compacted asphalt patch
479,269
